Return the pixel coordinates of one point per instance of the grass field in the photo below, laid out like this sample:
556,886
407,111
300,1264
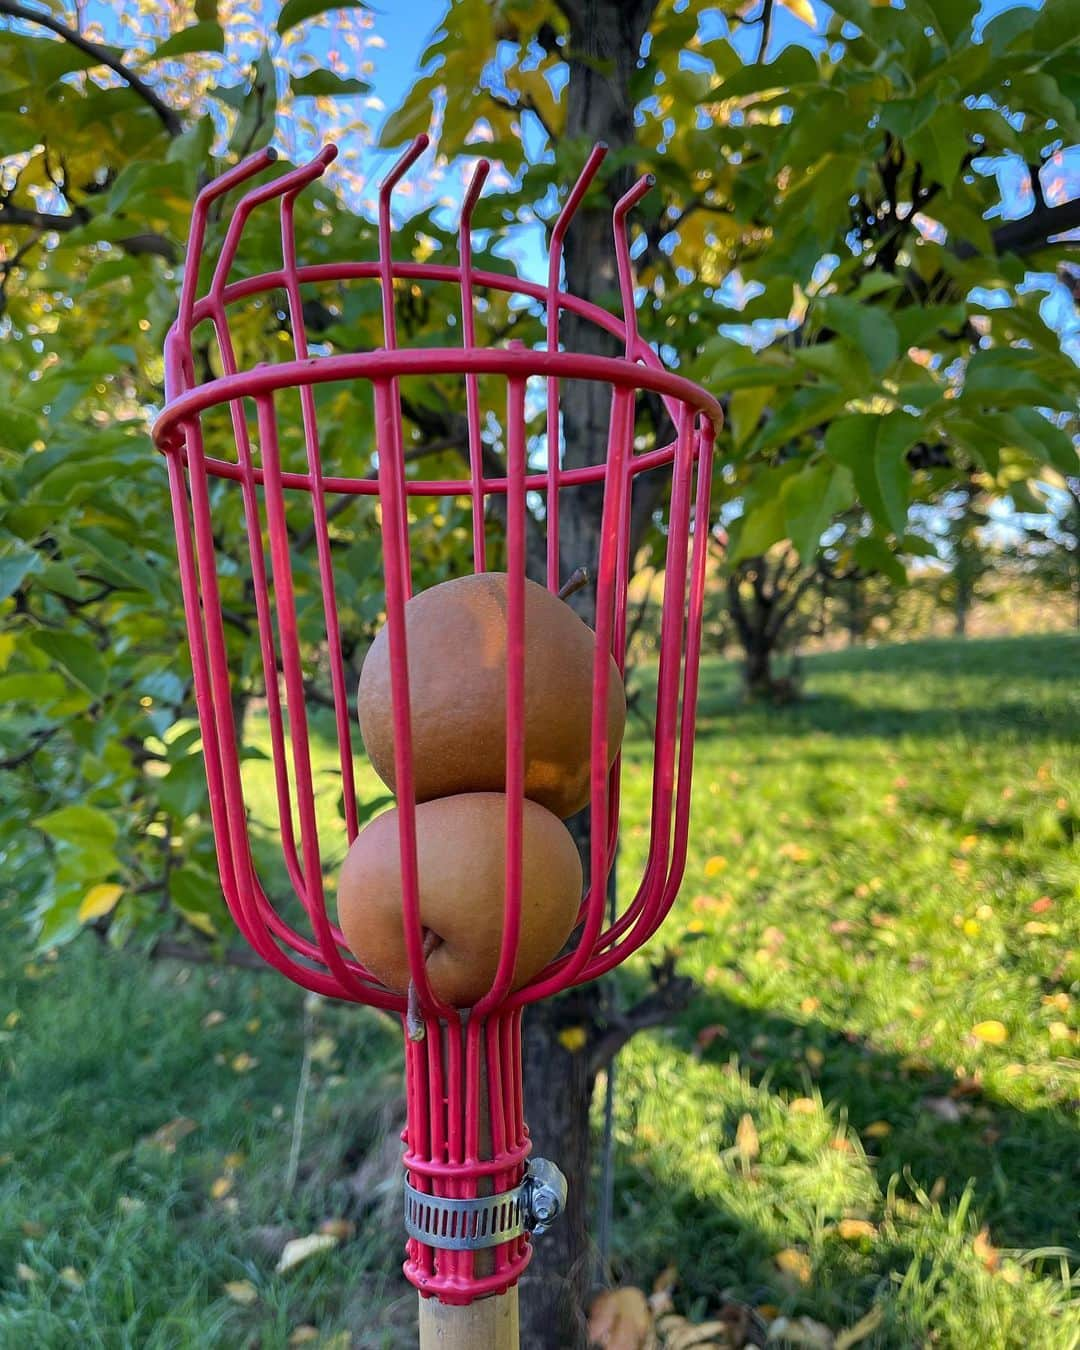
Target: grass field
871,1107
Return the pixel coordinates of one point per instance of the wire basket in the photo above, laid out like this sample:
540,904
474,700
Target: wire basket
472,1202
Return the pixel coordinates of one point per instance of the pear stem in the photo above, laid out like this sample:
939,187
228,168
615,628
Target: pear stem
414,1021
579,577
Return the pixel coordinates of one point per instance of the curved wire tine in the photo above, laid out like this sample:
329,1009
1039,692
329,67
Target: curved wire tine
468,338
239,173
386,262
555,248
622,256
291,182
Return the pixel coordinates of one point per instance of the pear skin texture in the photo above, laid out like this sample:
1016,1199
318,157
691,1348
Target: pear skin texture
457,638
461,852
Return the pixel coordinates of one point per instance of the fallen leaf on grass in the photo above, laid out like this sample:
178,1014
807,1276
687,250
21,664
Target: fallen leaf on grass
300,1249
991,1032
985,1250
747,1143
865,1326
853,1229
32,1229
322,1050
715,865
660,1300
221,1188
27,1274
801,1331
342,1229
304,1335
877,1129
243,1062
793,1263
619,1319
213,1018
167,1136
70,1277
944,1108
242,1292
803,1106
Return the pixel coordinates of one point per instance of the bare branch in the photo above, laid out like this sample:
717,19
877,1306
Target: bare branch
671,995
169,119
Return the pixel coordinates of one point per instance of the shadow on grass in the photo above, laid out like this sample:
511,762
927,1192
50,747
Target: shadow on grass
940,1136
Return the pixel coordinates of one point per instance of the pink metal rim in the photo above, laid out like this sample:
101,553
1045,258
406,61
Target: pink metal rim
466,1069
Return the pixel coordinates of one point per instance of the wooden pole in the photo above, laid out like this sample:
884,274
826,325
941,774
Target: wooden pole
488,1324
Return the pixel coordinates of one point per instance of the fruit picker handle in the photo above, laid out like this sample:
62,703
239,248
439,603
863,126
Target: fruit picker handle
487,1324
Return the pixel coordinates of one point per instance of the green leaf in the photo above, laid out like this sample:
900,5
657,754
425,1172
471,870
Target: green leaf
805,409
867,327
874,449
412,118
296,11
85,828
744,411
200,37
874,555
323,83
77,657
941,144
811,499
17,428
16,564
758,529
953,18
17,133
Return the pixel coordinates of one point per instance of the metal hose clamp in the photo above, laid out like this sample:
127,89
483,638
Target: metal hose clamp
488,1220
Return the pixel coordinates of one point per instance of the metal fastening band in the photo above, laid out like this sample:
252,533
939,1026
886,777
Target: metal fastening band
465,1225
487,1221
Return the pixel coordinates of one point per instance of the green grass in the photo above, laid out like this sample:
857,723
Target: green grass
868,881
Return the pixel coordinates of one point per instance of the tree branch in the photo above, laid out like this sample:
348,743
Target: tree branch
202,954
766,30
671,995
169,119
1032,231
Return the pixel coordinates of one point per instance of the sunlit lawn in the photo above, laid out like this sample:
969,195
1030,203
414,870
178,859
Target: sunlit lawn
881,908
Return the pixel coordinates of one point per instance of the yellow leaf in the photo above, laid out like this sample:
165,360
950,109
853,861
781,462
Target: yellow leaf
166,1137
985,1250
810,1005
322,1049
715,865
242,1292
70,1277
619,1319
573,1039
221,1187
234,1160
12,1020
27,1274
814,1057
865,1326
992,1032
342,1229
304,1334
1060,1031
243,1062
199,920
971,927
877,1129
99,900
213,1018
298,1250
746,1139
802,9
803,1106
853,1229
794,1263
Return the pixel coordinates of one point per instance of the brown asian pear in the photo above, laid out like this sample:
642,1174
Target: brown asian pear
457,649
461,860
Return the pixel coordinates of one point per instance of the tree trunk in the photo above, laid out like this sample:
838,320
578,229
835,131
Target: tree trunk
604,45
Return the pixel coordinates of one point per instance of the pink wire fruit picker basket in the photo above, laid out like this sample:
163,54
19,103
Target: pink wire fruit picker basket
473,1198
